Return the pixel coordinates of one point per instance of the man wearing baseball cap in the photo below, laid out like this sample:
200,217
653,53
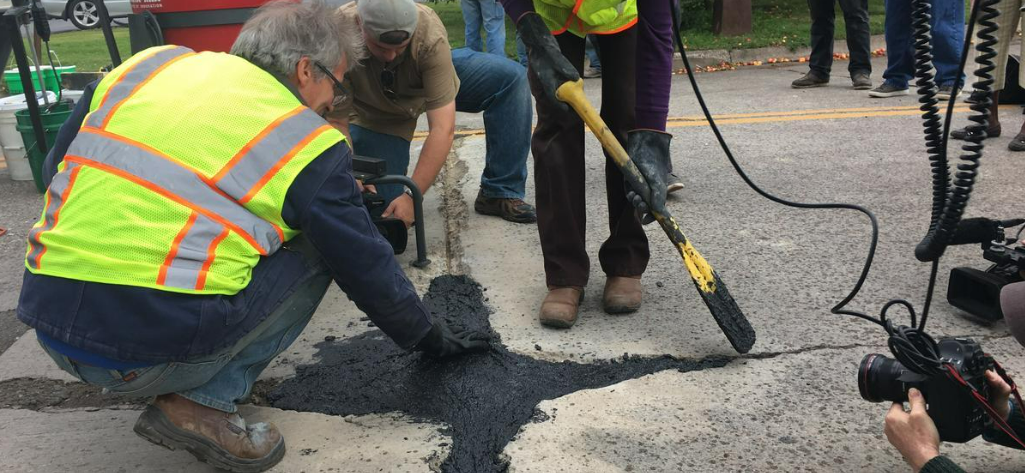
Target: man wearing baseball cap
411,70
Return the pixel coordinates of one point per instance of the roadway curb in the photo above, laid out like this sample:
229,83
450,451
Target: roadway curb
716,57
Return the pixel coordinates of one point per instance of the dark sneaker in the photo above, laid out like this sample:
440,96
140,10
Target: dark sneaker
975,97
887,90
991,132
513,210
810,80
946,91
592,73
674,183
861,81
214,437
1018,143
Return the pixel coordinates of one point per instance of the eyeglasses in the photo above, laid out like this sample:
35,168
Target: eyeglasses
340,92
388,82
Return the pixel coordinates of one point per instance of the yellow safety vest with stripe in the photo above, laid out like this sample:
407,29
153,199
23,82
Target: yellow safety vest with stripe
583,17
177,177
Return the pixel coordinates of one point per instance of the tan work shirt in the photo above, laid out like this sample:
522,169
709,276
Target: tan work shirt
424,80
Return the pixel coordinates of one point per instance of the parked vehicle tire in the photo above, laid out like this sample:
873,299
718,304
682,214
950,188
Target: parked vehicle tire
83,14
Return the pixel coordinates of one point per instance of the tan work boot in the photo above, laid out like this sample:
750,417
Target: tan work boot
622,295
559,309
212,436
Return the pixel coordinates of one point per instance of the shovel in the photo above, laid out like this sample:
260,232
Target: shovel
724,309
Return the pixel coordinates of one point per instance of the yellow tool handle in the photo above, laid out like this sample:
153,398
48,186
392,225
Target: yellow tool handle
573,93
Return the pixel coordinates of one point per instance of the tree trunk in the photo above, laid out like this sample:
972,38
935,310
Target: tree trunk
731,17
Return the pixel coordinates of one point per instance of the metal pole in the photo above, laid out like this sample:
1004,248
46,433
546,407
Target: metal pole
10,22
30,34
108,33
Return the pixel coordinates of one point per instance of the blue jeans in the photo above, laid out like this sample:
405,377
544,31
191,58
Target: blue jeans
947,39
220,381
492,15
487,83
591,49
521,49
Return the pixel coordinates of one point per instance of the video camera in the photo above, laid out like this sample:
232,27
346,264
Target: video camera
957,416
978,292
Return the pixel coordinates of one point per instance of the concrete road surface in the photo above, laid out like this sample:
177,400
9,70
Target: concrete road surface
792,404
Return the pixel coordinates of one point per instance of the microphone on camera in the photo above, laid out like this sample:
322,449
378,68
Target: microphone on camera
982,230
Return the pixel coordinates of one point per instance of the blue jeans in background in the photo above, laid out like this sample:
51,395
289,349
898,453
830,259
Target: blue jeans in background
494,85
591,49
220,381
521,49
490,15
947,39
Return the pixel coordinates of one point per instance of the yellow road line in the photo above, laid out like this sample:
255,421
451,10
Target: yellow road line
775,116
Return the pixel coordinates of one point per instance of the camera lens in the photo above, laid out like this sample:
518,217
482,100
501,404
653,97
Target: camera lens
878,379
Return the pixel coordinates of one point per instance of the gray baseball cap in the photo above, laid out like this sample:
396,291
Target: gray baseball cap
388,21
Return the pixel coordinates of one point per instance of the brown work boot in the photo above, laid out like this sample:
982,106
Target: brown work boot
622,295
212,436
513,210
560,306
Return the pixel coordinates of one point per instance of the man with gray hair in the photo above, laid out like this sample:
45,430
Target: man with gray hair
192,249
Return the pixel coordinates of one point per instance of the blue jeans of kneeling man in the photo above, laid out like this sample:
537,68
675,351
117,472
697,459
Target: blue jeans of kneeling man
220,381
488,83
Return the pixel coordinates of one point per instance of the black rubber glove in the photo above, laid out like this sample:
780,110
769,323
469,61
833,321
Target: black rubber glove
649,150
546,61
443,342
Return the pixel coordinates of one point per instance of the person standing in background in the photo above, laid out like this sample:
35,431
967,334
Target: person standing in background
490,15
855,14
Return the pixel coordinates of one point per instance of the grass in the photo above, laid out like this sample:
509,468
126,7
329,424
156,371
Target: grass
84,49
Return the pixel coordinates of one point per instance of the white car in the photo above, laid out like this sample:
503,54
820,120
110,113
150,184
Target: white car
83,13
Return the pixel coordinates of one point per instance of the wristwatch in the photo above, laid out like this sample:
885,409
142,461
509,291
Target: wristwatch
409,193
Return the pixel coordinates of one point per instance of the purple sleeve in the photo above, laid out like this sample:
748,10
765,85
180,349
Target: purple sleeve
654,63
516,8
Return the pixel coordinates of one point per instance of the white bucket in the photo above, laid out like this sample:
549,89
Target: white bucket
17,163
10,138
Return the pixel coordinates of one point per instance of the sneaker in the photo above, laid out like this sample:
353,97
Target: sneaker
975,97
513,210
809,80
887,90
861,81
991,132
592,73
946,91
674,183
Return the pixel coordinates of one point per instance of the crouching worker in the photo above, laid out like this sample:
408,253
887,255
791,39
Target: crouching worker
198,210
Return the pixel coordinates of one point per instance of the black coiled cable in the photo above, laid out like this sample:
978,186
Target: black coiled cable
949,200
914,348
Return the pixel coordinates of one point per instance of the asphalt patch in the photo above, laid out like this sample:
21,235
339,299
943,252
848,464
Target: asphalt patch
483,398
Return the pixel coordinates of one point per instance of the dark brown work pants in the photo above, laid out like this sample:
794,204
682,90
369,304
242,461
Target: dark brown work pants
558,148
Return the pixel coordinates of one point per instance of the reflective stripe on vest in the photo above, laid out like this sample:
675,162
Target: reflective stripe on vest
130,81
56,194
171,179
192,253
256,162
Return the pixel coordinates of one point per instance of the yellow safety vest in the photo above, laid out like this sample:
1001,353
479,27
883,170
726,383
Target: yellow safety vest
583,17
177,177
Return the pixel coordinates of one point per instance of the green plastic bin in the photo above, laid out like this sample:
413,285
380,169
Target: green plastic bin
52,119
49,78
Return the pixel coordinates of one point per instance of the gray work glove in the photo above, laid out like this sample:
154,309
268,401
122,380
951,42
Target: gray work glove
546,60
443,342
649,150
